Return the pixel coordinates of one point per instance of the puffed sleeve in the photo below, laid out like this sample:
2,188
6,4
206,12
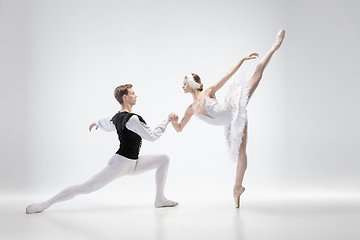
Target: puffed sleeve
144,131
106,125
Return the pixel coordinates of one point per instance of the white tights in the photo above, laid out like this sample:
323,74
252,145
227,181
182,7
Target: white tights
117,166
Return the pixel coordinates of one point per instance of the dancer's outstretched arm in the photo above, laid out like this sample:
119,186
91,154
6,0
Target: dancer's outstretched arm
144,131
134,125
215,87
186,118
105,124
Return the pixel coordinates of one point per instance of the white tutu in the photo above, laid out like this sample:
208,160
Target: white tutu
237,97
231,114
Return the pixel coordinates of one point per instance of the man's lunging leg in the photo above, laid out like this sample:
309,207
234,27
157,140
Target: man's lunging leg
118,166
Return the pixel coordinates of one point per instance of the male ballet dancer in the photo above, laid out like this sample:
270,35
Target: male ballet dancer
131,128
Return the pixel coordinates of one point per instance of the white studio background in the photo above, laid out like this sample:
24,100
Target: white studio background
61,60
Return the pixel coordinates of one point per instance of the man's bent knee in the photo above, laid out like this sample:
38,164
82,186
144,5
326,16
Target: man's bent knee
165,159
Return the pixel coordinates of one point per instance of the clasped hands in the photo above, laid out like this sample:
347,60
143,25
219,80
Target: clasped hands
173,117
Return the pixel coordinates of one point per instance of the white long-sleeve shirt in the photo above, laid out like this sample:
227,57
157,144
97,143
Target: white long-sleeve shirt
135,125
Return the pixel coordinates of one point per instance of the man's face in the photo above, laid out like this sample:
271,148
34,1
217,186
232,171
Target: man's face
131,97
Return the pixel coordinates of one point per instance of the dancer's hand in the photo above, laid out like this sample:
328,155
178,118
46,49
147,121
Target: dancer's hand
173,117
251,56
93,125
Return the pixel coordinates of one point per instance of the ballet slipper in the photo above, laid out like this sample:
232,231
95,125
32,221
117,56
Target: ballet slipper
165,203
35,208
237,191
279,39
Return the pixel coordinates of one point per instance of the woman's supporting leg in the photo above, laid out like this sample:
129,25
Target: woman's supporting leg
240,169
160,162
117,166
254,82
259,70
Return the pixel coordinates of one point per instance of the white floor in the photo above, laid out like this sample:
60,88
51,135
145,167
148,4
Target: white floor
260,217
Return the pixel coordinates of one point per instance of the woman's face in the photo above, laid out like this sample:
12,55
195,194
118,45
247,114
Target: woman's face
185,86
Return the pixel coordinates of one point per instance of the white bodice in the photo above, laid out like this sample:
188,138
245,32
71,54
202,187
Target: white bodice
220,114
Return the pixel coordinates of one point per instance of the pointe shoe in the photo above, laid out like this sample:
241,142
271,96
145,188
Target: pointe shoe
237,191
35,208
279,39
165,203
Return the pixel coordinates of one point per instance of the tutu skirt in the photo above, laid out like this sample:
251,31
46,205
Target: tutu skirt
236,99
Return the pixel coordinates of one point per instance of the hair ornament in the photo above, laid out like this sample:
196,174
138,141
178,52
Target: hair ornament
191,82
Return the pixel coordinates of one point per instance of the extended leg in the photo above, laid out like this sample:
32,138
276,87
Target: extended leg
255,79
117,167
240,169
160,162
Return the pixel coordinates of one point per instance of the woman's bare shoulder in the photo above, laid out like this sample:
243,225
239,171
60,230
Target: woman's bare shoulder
208,93
190,110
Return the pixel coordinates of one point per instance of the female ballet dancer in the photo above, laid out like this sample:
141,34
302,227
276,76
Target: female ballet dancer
232,114
131,129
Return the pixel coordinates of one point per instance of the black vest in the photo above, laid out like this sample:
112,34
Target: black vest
130,142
